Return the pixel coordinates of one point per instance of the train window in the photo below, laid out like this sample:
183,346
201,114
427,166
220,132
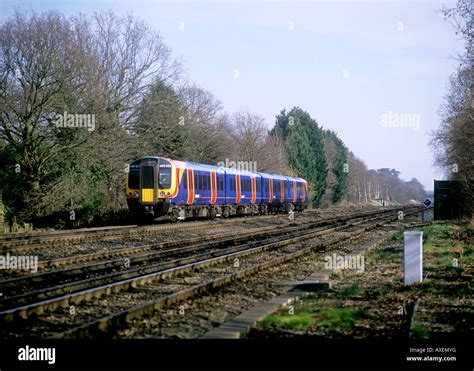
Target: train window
147,176
267,188
165,177
220,183
258,185
232,183
209,186
134,177
276,186
204,182
185,180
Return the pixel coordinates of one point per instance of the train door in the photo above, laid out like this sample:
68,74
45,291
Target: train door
148,184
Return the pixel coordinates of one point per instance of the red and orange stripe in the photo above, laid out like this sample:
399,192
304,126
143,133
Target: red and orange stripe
190,174
294,191
237,189
213,187
270,189
254,190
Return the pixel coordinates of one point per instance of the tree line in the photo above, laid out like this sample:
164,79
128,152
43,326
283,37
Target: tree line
82,97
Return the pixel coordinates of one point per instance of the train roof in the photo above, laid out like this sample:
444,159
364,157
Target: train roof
297,179
203,167
230,170
272,176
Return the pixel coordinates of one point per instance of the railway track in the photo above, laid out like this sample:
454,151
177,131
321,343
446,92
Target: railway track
30,242
150,278
52,283
35,241
220,231
53,257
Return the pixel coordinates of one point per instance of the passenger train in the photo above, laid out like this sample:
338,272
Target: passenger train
160,186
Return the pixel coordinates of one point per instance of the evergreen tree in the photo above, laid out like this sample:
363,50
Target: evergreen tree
305,148
299,152
339,171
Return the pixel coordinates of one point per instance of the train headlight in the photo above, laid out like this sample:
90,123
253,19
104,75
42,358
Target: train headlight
136,194
162,193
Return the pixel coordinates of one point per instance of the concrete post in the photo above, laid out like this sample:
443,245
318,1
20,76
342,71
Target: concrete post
427,215
413,257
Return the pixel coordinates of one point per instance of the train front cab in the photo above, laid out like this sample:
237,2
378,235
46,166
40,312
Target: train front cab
151,185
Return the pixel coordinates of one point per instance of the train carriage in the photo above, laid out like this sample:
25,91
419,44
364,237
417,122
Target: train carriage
297,191
160,186
273,192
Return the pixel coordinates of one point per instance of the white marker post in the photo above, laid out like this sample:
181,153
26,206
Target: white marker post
413,257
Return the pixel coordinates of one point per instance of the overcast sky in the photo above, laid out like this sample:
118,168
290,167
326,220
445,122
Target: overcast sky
356,67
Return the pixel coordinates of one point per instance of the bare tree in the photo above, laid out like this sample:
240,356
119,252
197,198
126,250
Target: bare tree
99,66
357,182
207,125
42,73
453,141
38,70
272,157
132,57
248,133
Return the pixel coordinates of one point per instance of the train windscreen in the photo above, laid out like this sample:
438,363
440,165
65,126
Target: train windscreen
134,177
